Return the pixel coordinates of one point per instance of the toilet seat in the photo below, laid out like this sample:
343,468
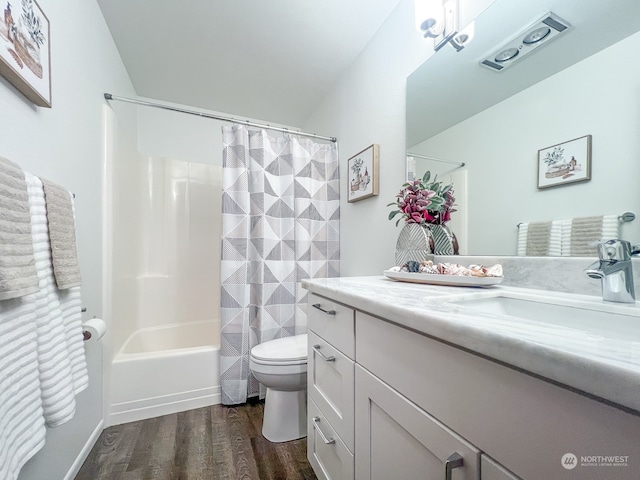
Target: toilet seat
281,351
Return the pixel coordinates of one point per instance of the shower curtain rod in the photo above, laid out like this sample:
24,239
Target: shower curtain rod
417,155
156,104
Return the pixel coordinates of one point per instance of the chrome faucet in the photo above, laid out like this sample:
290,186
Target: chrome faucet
614,269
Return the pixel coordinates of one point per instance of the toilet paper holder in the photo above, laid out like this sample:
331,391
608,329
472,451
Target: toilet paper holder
85,335
93,329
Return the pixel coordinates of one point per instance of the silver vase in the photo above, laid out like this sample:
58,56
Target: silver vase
444,239
415,242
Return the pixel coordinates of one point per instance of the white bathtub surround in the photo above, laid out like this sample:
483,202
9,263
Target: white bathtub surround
607,367
167,369
280,225
164,284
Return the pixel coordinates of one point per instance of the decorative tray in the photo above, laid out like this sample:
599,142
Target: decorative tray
440,279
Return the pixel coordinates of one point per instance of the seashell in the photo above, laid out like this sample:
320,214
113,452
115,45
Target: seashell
413,266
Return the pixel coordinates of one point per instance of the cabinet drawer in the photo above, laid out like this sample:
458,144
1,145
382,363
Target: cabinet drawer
327,454
330,385
492,470
396,439
332,321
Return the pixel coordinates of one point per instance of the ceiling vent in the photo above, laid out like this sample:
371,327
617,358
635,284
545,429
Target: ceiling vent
536,35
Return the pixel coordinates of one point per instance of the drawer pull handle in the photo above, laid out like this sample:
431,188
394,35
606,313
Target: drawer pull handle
316,421
316,348
319,307
455,460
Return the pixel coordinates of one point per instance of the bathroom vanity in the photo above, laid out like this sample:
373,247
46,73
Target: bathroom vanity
417,381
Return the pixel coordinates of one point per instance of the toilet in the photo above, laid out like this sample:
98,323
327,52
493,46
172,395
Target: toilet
281,366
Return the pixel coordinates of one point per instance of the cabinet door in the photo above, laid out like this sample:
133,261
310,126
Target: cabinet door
396,439
492,470
327,454
330,385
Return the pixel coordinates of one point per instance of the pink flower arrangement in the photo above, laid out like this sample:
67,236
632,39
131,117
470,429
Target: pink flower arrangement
421,201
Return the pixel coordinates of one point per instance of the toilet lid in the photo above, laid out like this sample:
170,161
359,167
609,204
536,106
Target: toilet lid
287,349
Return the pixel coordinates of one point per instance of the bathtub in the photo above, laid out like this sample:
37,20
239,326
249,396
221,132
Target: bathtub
167,369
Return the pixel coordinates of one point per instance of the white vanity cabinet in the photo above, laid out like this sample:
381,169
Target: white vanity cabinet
396,403
330,383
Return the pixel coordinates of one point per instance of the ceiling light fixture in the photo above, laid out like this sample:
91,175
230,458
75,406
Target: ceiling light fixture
537,34
438,19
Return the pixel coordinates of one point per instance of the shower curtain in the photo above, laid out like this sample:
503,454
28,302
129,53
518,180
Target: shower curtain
280,225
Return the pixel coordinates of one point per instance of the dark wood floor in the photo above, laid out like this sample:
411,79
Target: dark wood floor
215,442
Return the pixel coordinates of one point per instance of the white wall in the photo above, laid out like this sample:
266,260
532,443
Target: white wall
599,96
367,106
65,145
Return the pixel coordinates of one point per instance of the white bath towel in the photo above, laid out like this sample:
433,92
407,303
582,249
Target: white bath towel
17,267
71,306
22,430
60,343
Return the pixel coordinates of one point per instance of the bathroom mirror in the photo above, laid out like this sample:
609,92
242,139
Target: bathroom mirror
585,82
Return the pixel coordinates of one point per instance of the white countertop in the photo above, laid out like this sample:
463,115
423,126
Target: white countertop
607,366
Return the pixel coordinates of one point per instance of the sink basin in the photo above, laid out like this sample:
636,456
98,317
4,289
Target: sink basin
597,318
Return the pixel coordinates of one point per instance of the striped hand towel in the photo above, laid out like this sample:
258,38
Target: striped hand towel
580,235
60,344
62,234
22,430
523,231
540,239
17,267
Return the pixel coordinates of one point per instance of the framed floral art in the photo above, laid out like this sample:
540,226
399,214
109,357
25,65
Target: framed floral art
25,51
363,172
567,162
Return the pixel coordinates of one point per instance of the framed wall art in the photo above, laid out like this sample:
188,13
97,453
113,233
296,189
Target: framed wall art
564,163
363,169
25,51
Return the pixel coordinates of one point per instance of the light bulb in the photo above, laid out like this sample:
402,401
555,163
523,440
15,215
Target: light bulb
429,17
463,38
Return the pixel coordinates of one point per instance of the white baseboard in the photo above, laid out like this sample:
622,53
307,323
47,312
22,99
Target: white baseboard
84,453
163,405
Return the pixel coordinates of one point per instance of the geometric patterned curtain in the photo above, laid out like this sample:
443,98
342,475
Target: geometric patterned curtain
280,225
